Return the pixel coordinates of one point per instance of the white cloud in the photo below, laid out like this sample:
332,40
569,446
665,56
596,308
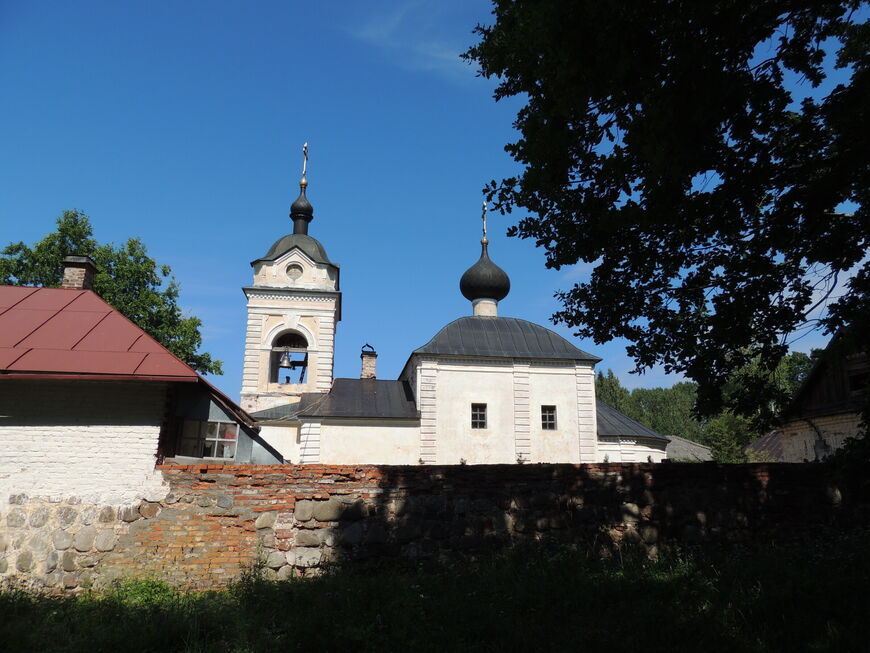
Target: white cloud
418,37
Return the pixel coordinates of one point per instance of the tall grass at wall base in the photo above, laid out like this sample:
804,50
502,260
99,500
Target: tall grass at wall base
811,597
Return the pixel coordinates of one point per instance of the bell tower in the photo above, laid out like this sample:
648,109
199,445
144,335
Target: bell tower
294,306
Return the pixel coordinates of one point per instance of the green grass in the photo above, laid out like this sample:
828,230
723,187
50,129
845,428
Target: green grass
804,598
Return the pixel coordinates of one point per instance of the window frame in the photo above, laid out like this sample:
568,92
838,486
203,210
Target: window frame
479,423
548,411
202,437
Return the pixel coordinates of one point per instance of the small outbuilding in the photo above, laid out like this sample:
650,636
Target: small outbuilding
89,402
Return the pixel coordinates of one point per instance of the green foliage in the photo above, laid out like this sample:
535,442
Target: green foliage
727,435
610,390
127,278
663,143
811,597
673,411
668,410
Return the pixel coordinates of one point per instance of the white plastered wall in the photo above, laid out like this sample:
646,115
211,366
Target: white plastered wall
461,383
631,450
284,438
800,437
93,440
278,304
369,442
514,391
555,385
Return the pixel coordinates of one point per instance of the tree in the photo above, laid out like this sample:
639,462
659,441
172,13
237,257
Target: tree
780,385
727,435
610,390
665,143
669,411
127,278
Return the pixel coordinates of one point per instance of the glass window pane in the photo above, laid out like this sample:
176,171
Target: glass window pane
226,450
210,430
548,418
208,449
478,416
227,431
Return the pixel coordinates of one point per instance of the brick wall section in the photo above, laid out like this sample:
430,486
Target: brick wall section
218,520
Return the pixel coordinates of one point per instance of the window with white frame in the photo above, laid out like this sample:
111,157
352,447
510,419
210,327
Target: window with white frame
208,439
478,416
548,418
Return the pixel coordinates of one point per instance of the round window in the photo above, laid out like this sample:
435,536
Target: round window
294,271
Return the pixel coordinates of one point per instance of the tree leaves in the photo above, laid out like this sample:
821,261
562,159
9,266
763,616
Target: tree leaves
127,278
665,143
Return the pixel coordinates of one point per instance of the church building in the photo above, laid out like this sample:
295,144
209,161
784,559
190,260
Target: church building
485,389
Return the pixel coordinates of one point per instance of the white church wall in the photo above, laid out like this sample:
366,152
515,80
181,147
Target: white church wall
282,272
631,450
272,311
551,385
283,438
460,384
369,442
587,413
93,440
309,442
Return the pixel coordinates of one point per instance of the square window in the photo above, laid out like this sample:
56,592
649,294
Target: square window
208,439
478,416
548,418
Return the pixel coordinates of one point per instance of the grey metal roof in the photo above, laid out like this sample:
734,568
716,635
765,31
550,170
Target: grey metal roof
611,423
767,448
280,413
682,449
501,337
311,246
362,398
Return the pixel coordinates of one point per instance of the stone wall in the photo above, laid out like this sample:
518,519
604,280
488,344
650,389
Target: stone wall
291,520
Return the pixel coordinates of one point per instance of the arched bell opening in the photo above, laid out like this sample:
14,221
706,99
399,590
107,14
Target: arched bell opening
289,358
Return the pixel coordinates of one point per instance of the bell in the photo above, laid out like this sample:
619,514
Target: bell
285,361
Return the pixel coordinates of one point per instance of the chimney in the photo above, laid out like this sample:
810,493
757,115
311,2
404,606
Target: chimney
78,273
369,360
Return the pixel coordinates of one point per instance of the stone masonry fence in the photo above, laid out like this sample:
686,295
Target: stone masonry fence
215,521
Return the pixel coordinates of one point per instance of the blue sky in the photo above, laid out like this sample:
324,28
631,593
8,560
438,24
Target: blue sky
181,124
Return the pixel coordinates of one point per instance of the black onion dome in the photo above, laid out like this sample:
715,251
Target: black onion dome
484,279
301,207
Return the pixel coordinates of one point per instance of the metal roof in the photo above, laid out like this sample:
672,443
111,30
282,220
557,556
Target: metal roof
613,423
64,333
284,412
767,448
682,449
68,331
501,337
362,398
310,246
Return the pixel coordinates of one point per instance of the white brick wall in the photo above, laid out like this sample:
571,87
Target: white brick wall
799,437
92,440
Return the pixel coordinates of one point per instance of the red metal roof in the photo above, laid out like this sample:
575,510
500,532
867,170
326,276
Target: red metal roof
67,331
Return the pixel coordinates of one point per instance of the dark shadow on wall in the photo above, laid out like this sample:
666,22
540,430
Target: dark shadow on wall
447,512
